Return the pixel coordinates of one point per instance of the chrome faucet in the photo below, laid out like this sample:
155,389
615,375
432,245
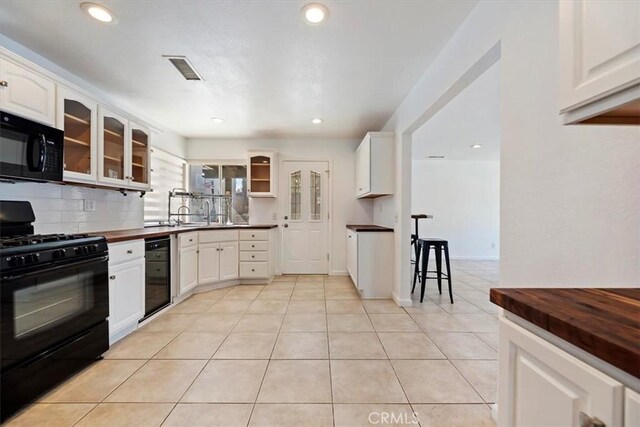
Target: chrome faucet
208,204
179,221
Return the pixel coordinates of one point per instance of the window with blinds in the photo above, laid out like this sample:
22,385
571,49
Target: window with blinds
167,173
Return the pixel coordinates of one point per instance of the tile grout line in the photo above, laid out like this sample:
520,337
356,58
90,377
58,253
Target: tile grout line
255,402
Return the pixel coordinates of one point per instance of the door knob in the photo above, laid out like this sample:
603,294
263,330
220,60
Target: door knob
286,226
286,217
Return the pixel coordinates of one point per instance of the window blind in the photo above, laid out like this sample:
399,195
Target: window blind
167,173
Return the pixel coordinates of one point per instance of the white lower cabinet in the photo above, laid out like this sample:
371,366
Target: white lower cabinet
188,267
370,262
213,256
217,262
228,260
543,385
126,287
631,408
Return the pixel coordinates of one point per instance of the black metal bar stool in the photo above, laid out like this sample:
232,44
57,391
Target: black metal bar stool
424,246
414,241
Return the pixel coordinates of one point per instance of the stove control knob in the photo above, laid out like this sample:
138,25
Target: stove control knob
16,261
78,250
60,253
34,258
95,247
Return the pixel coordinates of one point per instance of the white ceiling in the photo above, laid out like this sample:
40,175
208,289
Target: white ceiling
472,117
266,71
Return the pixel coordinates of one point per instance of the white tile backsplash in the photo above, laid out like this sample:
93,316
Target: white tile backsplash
60,208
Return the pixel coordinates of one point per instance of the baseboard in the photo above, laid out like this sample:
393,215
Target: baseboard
494,412
402,302
339,273
475,258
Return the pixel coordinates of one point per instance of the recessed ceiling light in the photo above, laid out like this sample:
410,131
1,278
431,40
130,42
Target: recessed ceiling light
99,13
476,146
315,13
217,120
435,157
316,121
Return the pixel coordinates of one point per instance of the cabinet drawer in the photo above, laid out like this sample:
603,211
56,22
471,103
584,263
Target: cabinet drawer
254,269
254,235
218,236
186,240
126,251
254,256
254,246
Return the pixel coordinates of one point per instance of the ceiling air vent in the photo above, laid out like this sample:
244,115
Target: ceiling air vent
185,68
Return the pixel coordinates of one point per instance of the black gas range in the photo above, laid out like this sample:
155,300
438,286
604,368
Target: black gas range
54,297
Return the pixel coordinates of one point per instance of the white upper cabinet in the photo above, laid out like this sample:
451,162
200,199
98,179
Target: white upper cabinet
599,58
375,165
123,152
114,151
262,169
77,116
138,172
26,93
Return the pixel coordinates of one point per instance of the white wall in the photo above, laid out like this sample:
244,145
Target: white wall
570,205
345,207
464,199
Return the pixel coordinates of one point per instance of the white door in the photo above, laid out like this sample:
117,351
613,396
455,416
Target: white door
228,260
305,191
126,294
188,268
208,263
27,94
541,385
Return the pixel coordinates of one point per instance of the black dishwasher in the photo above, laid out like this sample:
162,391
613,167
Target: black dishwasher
157,284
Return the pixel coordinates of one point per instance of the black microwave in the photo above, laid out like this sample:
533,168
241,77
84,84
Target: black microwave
30,150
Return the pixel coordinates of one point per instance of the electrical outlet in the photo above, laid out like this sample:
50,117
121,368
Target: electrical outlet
89,205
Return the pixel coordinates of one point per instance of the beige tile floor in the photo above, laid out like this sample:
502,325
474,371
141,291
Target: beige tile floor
301,351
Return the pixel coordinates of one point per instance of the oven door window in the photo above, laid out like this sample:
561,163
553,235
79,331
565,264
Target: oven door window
49,303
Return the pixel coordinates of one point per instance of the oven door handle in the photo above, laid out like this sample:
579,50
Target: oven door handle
53,267
41,153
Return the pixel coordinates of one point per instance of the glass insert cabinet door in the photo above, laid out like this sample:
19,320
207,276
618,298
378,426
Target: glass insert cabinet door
78,118
260,174
113,136
139,156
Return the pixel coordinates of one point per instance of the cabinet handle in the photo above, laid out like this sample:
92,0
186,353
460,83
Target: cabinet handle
253,256
587,421
191,240
253,235
253,246
221,249
112,277
4,83
253,269
129,251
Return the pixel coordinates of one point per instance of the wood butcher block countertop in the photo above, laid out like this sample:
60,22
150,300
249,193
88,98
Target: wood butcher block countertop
150,232
603,322
361,227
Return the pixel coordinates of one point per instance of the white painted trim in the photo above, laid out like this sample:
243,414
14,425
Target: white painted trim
474,258
402,302
338,272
